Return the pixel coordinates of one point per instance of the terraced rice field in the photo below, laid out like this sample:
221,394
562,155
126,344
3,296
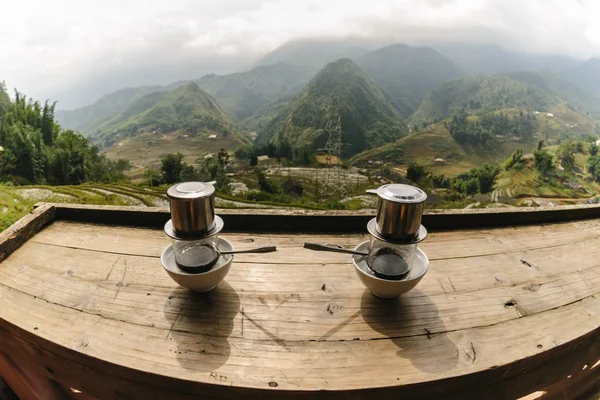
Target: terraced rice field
16,201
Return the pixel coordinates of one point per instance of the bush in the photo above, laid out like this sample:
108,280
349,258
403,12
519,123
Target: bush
415,172
542,161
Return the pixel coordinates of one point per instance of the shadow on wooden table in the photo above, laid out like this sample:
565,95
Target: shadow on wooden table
412,322
201,325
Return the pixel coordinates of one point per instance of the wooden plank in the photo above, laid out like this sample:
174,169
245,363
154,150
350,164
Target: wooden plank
324,303
19,232
104,354
502,312
331,221
438,246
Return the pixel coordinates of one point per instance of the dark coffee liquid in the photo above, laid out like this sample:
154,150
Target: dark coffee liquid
197,259
389,264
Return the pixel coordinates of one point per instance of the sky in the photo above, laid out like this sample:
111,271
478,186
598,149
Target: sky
74,51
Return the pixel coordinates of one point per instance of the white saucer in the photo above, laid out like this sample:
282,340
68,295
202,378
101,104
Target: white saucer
202,282
387,288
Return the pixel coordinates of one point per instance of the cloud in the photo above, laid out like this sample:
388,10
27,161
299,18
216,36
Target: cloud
74,51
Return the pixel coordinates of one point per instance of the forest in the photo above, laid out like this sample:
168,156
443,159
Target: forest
34,149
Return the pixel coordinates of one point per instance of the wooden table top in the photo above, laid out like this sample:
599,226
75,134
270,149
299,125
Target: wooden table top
495,304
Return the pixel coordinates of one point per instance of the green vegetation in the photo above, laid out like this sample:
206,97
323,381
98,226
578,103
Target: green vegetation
244,93
529,91
36,150
515,161
543,161
368,119
187,108
407,73
593,167
87,119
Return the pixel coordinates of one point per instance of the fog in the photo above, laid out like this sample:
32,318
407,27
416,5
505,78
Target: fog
75,51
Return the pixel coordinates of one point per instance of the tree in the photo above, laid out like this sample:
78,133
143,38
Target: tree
171,168
515,161
486,176
540,144
264,184
542,161
253,160
579,147
594,167
593,149
565,154
415,172
385,171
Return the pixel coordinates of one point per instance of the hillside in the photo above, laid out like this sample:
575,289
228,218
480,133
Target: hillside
407,73
436,142
368,118
586,76
186,108
519,90
245,93
87,119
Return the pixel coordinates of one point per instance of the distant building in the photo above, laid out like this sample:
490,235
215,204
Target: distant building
598,142
208,156
550,114
212,136
292,187
439,160
262,158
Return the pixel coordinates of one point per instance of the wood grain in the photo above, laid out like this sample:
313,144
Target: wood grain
503,312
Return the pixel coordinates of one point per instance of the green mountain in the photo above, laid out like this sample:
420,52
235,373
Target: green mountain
87,119
187,108
517,90
368,118
586,76
245,93
407,73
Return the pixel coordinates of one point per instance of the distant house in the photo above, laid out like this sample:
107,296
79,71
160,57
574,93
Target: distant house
598,142
262,158
206,157
439,160
292,187
212,136
550,114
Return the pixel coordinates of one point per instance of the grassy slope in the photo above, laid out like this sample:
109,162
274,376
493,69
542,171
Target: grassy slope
434,142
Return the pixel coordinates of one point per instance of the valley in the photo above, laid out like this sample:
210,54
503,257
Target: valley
400,107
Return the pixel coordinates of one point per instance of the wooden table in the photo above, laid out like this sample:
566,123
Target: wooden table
86,311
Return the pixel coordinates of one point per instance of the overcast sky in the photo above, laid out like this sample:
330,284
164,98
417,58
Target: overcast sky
75,50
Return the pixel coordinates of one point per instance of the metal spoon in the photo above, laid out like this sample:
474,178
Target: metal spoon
385,262
328,247
203,257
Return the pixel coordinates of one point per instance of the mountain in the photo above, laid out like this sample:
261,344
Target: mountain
245,93
87,119
489,59
407,73
318,52
367,116
519,90
586,76
186,108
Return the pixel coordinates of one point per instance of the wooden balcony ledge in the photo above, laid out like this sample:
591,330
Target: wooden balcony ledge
86,310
